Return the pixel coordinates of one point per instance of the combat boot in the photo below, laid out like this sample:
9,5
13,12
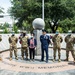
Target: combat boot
33,60
26,58
54,59
22,58
0,59
10,59
30,60
16,58
59,60
67,59
74,60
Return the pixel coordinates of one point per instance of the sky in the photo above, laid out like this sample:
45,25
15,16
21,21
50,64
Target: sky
6,4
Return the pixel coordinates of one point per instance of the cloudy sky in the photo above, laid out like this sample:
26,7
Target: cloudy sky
6,4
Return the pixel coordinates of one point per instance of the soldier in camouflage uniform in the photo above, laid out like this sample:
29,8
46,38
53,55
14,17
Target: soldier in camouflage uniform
70,41
13,46
0,41
24,46
0,38
57,39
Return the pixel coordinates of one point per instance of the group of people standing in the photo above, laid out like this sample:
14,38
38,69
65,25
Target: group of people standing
45,41
56,41
31,44
26,43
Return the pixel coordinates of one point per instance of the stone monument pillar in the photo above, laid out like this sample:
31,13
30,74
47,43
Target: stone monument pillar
38,25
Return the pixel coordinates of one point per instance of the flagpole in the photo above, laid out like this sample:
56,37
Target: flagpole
43,9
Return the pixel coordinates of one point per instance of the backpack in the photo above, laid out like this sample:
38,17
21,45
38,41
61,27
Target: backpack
24,42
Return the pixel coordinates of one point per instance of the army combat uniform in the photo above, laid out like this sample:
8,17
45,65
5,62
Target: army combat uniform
57,39
0,38
13,46
0,41
24,47
70,41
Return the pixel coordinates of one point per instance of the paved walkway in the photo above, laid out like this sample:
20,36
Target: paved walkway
23,67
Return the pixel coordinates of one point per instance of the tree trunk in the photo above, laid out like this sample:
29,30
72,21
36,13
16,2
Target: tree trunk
53,27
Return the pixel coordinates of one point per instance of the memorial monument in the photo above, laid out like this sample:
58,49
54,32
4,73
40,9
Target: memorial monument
38,25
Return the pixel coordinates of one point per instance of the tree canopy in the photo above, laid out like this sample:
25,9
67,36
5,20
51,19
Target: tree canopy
56,13
1,10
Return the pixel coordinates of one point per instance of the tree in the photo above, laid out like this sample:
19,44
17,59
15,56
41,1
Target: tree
55,11
58,12
5,25
66,25
25,10
25,25
6,30
1,10
15,28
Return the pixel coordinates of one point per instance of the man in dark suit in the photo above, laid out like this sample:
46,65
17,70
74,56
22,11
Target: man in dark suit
45,40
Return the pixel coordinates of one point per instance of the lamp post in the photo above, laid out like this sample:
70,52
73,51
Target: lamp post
43,9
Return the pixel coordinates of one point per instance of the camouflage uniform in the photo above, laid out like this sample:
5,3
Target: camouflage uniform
70,41
0,38
0,41
57,39
13,46
24,47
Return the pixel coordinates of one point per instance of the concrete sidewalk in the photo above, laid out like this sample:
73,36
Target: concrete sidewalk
23,67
